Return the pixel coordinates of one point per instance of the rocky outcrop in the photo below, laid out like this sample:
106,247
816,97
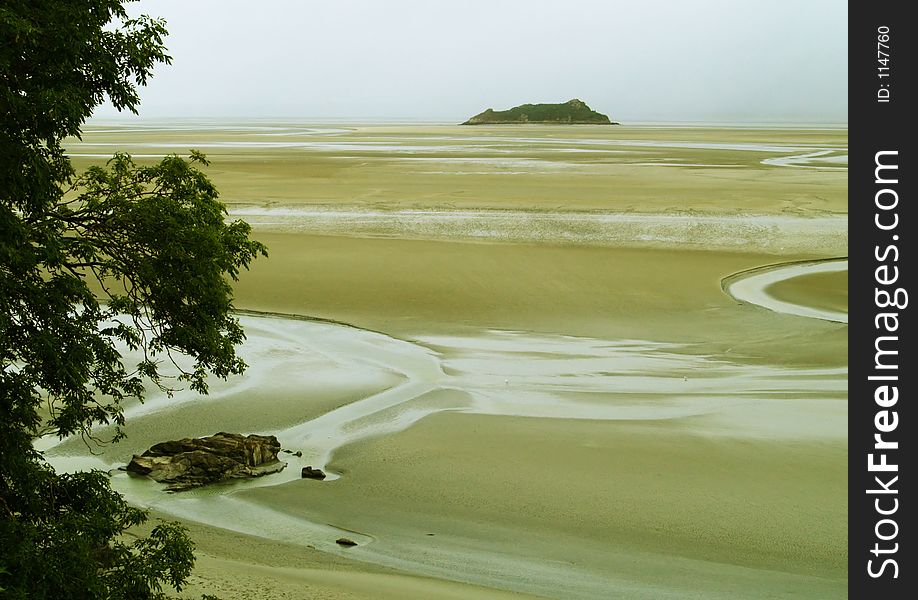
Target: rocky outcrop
572,112
193,462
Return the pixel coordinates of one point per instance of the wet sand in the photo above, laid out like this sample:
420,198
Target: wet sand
573,408
232,565
648,170
827,291
579,509
479,433
806,289
408,287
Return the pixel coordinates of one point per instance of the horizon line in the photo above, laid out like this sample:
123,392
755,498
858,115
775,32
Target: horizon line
380,120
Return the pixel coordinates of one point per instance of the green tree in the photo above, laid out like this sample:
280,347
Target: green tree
121,256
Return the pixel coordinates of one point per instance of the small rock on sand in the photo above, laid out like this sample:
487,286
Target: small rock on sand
345,542
311,473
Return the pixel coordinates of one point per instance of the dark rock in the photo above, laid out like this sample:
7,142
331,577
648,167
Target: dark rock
572,112
193,462
311,473
345,542
298,453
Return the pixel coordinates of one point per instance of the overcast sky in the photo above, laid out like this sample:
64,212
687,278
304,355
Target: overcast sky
674,60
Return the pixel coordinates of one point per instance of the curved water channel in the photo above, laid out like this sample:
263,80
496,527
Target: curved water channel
752,286
493,373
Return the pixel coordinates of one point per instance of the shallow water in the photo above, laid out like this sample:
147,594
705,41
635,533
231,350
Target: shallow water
753,287
776,233
339,394
494,373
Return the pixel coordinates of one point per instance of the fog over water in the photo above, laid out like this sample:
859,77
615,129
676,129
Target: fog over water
428,60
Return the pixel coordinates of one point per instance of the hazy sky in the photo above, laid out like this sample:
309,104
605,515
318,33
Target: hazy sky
721,60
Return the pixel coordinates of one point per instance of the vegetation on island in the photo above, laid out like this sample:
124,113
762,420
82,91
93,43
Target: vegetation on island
572,112
154,238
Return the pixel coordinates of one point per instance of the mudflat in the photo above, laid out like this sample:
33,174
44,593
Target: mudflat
541,387
824,290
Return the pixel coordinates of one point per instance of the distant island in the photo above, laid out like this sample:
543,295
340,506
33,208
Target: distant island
572,112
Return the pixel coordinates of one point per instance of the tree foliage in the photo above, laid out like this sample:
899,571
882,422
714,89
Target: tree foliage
121,256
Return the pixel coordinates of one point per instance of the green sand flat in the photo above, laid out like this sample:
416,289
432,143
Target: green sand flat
701,488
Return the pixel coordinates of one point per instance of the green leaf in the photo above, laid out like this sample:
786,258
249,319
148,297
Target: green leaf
153,238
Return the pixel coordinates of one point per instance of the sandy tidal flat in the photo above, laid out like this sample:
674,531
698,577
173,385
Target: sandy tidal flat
543,389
